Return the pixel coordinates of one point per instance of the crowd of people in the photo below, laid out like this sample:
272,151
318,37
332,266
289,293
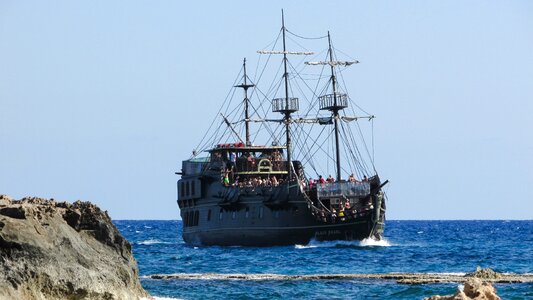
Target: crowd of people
313,182
253,182
341,212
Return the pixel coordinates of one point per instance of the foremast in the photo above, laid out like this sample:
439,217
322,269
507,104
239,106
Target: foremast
245,86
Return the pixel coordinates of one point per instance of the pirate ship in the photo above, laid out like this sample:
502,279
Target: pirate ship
236,191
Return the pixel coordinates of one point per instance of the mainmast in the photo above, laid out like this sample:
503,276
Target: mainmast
246,86
286,105
287,117
335,110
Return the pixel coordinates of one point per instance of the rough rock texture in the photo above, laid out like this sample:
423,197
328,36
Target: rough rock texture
401,278
58,250
474,288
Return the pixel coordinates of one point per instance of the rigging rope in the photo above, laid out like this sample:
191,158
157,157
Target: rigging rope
306,38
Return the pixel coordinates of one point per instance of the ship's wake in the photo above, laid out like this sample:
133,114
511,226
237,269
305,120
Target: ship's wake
368,242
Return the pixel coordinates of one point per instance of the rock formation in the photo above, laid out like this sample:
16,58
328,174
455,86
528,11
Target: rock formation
58,250
474,288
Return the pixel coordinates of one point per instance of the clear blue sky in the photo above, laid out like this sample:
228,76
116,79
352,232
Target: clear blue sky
99,100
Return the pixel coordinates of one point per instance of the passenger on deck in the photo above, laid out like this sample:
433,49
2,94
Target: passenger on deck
302,184
323,215
274,181
352,178
249,183
232,160
311,182
333,215
321,180
341,214
347,204
276,156
330,179
226,179
365,179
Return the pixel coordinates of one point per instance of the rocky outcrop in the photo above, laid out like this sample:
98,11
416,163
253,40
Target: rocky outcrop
474,287
58,250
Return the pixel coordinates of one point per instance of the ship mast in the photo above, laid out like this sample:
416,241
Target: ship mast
335,110
334,102
286,105
245,86
287,117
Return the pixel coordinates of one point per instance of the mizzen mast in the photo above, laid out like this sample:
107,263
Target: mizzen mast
334,102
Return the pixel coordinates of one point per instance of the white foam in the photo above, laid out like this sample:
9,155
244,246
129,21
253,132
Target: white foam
304,246
372,242
151,242
368,242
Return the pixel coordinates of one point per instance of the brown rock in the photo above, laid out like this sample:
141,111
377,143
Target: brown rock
479,290
474,289
51,250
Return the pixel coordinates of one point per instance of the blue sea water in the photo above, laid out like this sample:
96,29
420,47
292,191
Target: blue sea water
411,246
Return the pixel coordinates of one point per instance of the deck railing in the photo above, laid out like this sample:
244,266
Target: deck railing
339,189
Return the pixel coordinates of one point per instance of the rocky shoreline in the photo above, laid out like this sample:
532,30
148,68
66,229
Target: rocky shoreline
59,250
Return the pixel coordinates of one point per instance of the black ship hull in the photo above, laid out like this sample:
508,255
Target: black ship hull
250,220
261,236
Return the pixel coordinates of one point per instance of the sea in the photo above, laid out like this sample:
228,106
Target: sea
457,247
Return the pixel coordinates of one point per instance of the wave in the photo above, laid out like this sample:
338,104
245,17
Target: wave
368,242
372,242
151,242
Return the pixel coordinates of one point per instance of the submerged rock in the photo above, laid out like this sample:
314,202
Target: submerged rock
486,273
58,250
